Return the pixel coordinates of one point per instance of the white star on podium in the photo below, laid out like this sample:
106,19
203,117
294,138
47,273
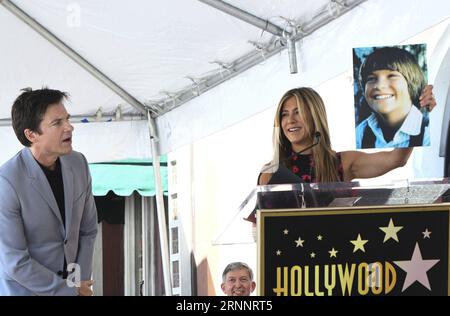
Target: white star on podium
416,269
299,242
426,234
390,231
359,244
333,252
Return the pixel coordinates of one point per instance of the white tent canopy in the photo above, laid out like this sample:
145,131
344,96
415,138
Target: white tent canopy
147,47
156,50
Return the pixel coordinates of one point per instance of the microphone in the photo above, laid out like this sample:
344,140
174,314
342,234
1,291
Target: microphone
317,137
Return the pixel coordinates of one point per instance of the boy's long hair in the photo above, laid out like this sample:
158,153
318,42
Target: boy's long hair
395,59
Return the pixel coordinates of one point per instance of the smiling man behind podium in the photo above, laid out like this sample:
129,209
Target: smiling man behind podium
48,217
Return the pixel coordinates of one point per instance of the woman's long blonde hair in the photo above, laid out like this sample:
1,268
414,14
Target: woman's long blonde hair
312,110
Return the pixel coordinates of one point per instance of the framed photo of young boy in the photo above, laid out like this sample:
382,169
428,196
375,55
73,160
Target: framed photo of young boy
387,86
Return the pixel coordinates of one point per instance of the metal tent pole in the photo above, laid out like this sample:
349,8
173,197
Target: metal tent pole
160,206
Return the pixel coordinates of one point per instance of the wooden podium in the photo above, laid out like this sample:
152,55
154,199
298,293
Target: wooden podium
340,239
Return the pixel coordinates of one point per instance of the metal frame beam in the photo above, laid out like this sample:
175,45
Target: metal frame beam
246,17
92,118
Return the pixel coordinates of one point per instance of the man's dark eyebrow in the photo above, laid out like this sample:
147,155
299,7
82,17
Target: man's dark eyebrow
56,120
60,119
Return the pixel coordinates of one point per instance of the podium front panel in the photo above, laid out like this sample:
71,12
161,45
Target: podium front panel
384,250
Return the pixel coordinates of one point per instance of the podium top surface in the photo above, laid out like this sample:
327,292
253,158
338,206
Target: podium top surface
339,194
305,195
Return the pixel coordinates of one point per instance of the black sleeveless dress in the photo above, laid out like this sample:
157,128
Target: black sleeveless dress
303,166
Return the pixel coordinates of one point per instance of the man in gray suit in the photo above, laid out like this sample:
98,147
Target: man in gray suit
48,219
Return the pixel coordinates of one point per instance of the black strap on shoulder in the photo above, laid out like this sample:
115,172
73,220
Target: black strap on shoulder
417,140
368,140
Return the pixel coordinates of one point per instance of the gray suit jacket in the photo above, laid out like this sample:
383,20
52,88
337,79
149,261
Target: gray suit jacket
33,240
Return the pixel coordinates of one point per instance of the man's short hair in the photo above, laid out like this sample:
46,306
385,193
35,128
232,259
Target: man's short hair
236,266
396,59
29,108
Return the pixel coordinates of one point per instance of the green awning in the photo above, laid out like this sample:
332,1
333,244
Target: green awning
125,176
